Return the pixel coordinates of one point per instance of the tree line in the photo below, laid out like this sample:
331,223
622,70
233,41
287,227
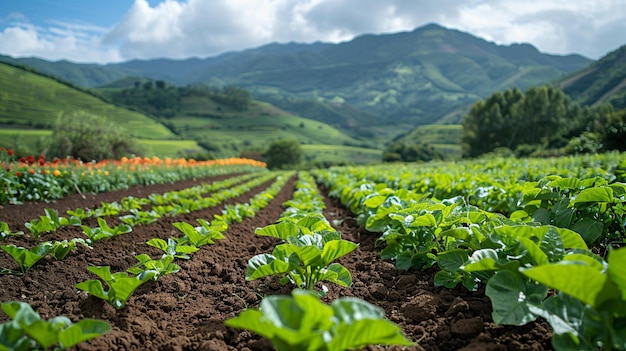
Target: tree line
538,122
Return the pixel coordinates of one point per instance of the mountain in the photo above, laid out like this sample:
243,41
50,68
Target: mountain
604,81
374,86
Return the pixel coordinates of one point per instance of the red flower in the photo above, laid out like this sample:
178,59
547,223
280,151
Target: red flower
41,161
18,174
22,159
10,152
30,159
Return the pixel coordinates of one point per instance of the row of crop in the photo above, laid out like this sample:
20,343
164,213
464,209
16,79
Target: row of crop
592,203
40,180
27,330
304,257
26,258
519,259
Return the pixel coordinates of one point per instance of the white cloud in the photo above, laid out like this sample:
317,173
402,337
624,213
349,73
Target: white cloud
179,29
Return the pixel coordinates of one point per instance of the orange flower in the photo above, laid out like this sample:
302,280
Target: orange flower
31,171
56,173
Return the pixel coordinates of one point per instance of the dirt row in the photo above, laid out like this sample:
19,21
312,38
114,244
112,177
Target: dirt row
186,310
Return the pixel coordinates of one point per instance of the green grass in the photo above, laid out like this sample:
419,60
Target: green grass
446,138
30,99
169,148
234,131
340,153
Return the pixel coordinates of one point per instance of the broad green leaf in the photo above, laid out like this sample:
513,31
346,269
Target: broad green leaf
589,229
534,252
595,194
338,274
552,245
20,312
12,338
45,334
335,249
452,261
375,201
511,296
84,330
570,238
427,220
264,265
616,271
590,284
488,260
103,272
282,230
158,243
367,332
94,287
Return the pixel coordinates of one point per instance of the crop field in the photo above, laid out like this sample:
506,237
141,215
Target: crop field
498,254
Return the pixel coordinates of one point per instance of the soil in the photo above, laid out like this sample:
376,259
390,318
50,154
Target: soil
186,310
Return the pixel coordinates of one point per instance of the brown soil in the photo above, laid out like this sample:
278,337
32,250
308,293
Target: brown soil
186,310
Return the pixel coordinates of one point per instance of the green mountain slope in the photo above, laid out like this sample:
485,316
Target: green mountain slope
30,104
202,114
604,81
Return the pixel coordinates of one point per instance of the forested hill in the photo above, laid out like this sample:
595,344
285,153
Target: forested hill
604,81
391,81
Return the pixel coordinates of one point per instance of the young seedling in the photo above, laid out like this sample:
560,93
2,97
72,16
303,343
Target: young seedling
103,231
162,266
26,258
303,322
27,331
49,223
121,285
202,235
173,248
6,232
306,257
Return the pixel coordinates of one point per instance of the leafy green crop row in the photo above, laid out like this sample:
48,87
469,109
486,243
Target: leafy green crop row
305,257
539,243
121,285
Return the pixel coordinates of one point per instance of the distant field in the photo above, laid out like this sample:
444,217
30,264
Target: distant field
169,148
254,130
341,153
444,137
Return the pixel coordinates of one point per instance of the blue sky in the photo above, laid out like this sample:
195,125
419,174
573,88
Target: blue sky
119,30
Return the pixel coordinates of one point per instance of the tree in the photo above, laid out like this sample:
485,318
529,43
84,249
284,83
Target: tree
283,154
90,137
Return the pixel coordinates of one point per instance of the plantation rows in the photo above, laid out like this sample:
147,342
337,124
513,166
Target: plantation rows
477,250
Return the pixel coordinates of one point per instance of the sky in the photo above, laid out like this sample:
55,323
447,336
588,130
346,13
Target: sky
99,31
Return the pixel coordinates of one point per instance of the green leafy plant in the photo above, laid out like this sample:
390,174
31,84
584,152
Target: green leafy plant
49,223
161,267
103,231
204,234
121,285
307,255
173,248
26,258
27,331
301,322
590,311
137,217
6,232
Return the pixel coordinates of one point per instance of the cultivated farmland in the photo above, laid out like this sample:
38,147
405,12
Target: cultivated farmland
458,255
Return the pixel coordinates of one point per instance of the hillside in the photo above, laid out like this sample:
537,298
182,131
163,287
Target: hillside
30,104
203,114
604,81
375,86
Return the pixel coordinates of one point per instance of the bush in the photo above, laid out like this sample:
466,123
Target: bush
283,154
89,137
